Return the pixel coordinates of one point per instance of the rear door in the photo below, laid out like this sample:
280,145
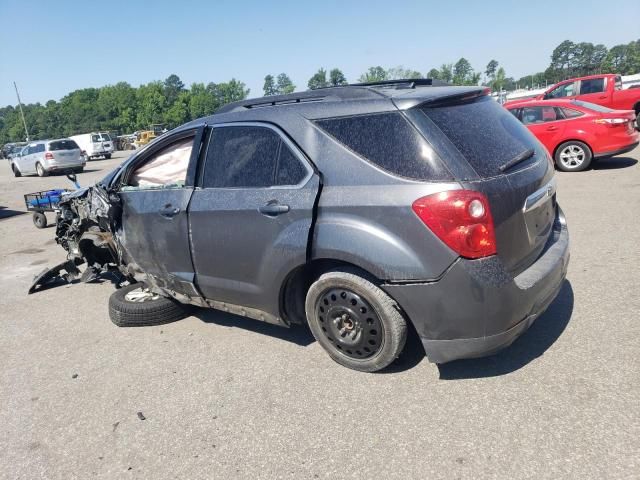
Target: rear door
546,123
155,192
252,215
594,90
487,138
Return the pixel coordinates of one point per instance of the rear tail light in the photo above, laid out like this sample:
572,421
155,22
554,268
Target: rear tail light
612,121
48,156
461,219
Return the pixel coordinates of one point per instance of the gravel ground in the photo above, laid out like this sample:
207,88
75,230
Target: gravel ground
217,396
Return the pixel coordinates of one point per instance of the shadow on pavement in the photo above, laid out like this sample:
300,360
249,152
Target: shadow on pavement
7,213
298,334
614,163
542,334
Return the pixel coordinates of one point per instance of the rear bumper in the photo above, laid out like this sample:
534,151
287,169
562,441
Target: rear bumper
618,151
477,308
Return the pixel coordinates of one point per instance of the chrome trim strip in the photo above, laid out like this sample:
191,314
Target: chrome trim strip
540,196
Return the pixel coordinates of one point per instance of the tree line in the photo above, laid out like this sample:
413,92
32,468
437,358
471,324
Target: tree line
122,108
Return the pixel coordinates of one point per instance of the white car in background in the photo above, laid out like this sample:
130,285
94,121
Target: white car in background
95,144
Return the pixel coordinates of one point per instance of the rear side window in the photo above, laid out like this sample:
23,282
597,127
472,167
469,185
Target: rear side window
250,157
389,141
484,132
39,148
63,145
571,113
593,85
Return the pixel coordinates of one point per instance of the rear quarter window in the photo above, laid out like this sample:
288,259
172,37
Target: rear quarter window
483,131
389,141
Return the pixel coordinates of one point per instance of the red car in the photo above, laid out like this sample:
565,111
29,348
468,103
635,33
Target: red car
575,132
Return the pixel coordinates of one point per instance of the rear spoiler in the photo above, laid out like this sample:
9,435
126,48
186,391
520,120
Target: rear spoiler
454,95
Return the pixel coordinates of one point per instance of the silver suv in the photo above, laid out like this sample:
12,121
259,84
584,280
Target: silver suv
48,156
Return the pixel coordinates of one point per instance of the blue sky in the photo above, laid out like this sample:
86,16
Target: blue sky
53,47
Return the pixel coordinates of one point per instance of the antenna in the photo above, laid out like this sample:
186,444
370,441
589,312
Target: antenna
21,112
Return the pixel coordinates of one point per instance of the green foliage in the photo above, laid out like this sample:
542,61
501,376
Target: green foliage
463,73
285,85
434,74
623,59
269,87
374,74
318,80
490,70
401,73
120,108
446,72
336,77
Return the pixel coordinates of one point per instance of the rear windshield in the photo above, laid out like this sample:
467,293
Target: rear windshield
484,132
389,141
63,145
100,137
592,106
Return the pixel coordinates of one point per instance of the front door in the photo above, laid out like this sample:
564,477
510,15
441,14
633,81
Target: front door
155,195
252,215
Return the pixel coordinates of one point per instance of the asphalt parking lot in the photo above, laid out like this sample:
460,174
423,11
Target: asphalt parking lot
227,397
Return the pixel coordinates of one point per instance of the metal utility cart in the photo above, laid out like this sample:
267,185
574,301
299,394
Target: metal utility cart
45,201
40,202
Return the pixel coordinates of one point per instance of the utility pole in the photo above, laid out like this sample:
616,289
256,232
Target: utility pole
21,112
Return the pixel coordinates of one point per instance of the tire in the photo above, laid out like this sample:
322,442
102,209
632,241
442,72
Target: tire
108,156
573,156
358,324
39,220
157,310
40,170
79,170
16,172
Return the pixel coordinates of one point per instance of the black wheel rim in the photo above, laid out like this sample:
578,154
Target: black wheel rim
349,323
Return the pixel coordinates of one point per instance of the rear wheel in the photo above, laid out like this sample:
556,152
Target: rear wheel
137,306
107,156
573,156
39,220
358,324
40,170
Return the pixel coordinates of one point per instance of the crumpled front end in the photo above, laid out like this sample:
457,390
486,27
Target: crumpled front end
83,229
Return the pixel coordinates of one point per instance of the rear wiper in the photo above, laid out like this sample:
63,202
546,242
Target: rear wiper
521,157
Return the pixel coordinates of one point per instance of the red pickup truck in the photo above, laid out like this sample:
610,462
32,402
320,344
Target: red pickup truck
605,90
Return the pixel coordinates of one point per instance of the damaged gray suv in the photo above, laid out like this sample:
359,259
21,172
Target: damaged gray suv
366,211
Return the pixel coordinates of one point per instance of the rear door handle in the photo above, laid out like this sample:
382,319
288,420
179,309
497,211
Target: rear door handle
169,211
602,96
552,128
273,209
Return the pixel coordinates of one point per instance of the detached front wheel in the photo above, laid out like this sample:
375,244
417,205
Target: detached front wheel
137,306
357,323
